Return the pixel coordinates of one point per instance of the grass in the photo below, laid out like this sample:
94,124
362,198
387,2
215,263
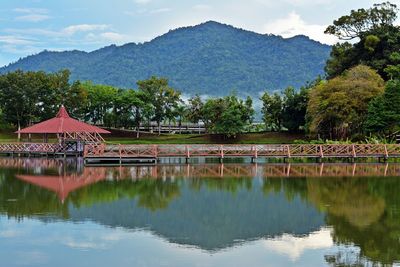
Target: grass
123,137
251,138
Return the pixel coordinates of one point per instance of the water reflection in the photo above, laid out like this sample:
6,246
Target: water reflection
291,208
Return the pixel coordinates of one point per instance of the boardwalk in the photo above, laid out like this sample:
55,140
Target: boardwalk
125,153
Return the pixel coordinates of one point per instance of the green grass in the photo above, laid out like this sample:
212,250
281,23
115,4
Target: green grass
122,137
253,138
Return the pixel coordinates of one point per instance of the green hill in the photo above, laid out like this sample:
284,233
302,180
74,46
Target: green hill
210,58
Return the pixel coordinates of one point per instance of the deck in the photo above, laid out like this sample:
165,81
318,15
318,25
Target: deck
151,153
39,149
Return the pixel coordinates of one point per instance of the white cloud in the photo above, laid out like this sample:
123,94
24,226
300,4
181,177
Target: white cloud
32,17
294,247
160,10
142,2
114,37
15,40
201,7
70,30
293,25
31,10
32,14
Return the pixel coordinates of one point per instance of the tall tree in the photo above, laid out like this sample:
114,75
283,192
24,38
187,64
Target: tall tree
338,108
162,97
272,111
229,115
378,39
384,110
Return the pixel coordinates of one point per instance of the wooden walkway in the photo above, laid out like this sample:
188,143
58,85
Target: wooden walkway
38,149
149,153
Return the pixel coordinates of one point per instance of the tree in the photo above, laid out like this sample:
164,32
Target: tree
294,108
379,40
272,111
363,21
100,100
384,110
228,116
338,108
162,97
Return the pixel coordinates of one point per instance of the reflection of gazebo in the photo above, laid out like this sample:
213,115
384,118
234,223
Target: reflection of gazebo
65,184
66,129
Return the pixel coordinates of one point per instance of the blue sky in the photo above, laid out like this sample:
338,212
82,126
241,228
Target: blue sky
30,26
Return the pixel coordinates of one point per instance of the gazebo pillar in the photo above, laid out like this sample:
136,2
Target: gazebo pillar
45,138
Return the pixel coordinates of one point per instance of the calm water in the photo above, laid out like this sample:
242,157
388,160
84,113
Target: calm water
59,213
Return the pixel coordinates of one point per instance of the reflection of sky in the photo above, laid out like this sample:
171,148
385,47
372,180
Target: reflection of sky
34,243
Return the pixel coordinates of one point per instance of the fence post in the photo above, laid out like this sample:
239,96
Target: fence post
354,151
386,152
288,151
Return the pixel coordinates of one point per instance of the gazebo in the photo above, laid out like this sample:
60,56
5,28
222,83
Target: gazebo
69,132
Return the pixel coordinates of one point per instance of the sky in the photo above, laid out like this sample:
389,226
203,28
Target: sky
30,26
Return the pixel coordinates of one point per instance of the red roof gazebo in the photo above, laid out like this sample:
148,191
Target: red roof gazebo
66,128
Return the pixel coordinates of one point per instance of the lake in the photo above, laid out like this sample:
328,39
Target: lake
60,213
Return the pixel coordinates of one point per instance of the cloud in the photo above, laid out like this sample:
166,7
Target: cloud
32,14
15,40
201,7
160,10
293,25
142,2
31,10
294,247
70,30
106,37
32,18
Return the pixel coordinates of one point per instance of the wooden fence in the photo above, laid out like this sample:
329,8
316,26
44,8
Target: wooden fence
253,151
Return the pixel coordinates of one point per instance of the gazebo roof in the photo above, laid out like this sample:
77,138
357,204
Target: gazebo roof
62,123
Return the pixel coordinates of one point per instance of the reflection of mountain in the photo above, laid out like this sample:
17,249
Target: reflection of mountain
211,219
185,205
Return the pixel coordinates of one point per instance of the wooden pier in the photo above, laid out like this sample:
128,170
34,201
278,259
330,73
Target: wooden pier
103,153
40,149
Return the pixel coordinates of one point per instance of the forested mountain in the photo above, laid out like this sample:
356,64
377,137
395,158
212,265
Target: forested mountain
210,58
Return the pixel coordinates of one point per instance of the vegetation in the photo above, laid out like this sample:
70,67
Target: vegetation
338,107
378,43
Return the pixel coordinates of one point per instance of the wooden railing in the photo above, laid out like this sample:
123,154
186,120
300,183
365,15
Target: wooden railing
254,151
32,148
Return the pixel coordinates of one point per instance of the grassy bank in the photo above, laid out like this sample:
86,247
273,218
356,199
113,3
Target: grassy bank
252,138
122,137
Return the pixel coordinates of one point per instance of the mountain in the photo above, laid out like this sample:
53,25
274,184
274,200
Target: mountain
210,58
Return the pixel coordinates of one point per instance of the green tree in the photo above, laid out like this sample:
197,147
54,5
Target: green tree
338,108
272,111
294,108
228,116
162,97
378,39
100,100
384,110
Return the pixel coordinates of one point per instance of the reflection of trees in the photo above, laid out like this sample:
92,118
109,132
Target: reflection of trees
231,185
379,241
349,198
19,199
362,211
153,194
290,187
